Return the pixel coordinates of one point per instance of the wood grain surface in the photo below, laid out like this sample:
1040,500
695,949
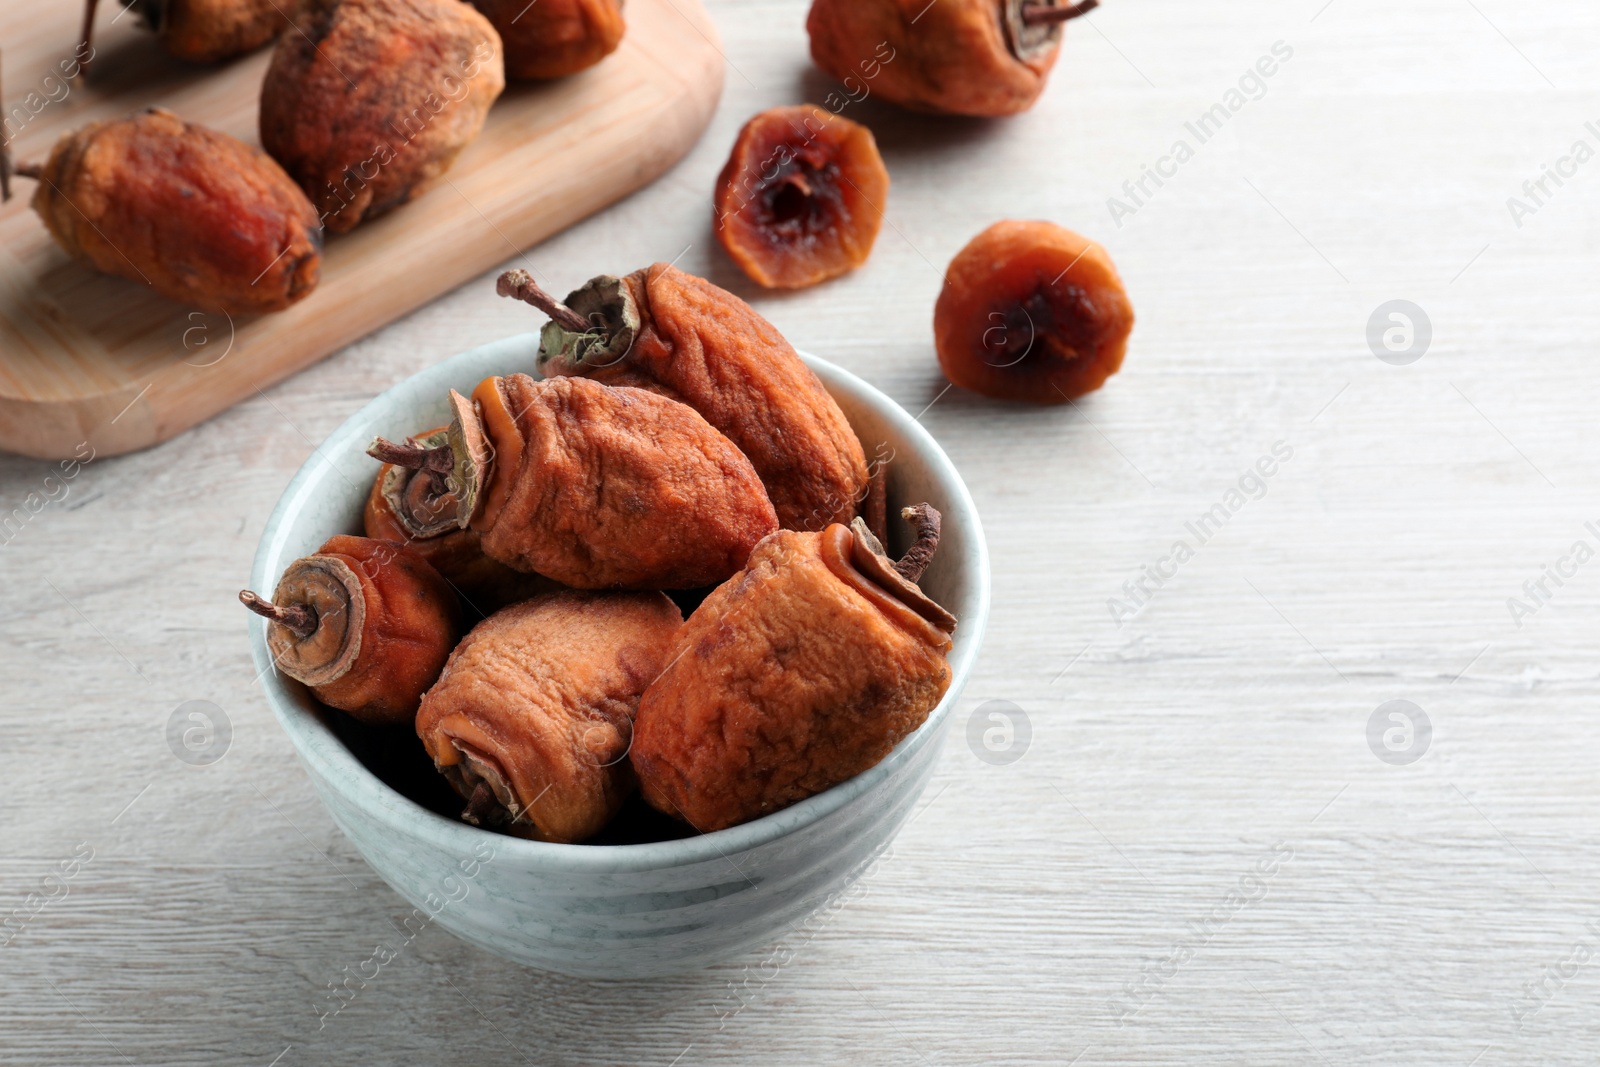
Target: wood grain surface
87,356
1199,829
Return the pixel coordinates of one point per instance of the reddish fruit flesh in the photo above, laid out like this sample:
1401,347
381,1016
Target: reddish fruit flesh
195,214
1031,311
801,197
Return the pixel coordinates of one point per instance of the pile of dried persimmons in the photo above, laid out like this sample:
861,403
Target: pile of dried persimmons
676,441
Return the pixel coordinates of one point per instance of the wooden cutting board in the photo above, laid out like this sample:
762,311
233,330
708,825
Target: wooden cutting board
86,357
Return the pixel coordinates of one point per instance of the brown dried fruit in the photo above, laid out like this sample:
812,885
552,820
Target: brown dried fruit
595,487
417,508
532,718
204,31
366,624
678,335
796,674
368,102
801,197
554,38
957,57
197,215
1031,311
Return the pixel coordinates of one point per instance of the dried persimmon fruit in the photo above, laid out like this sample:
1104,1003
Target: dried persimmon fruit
532,718
368,102
802,671
554,38
197,215
366,624
801,197
203,31
592,486
955,57
1031,311
672,333
418,509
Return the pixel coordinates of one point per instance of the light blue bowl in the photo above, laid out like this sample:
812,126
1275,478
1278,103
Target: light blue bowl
618,911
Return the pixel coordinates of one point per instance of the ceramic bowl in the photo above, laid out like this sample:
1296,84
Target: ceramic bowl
628,910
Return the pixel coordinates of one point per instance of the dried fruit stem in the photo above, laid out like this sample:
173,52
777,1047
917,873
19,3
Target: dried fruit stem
481,805
87,47
520,284
875,508
440,459
1042,13
297,618
925,517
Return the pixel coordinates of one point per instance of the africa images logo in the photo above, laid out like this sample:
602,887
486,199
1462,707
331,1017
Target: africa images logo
1252,85
1252,485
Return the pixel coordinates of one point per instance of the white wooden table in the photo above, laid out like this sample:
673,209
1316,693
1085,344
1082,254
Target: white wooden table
1200,858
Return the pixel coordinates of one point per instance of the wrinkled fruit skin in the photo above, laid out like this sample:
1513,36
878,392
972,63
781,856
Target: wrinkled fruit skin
785,681
1031,311
483,585
201,217
554,38
801,197
411,624
367,102
603,488
702,345
538,701
209,31
955,59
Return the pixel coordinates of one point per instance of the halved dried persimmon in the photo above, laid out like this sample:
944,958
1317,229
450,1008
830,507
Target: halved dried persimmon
800,199
1031,311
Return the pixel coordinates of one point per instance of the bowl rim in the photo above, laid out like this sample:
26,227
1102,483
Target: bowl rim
331,760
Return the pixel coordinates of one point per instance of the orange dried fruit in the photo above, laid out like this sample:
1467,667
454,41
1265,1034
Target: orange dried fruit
801,197
197,215
203,31
672,333
367,625
592,486
554,38
368,102
799,672
532,718
956,57
417,508
1031,311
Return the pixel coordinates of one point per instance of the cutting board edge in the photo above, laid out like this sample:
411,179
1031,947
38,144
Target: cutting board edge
129,417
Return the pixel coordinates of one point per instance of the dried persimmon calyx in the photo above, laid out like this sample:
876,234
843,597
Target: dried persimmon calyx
1033,27
319,611
595,327
418,507
421,499
366,624
900,578
800,672
596,487
682,337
